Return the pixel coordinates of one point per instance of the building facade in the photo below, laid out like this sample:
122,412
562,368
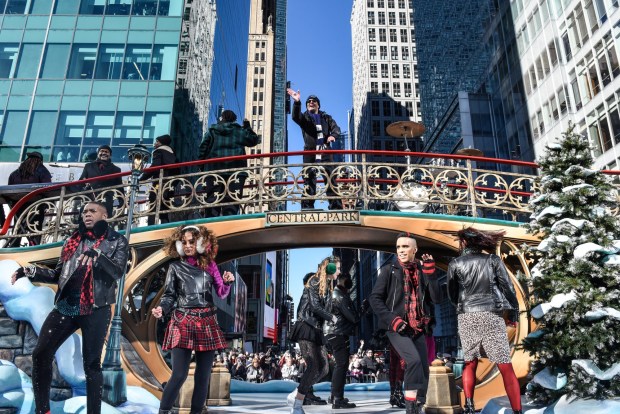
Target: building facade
568,50
385,80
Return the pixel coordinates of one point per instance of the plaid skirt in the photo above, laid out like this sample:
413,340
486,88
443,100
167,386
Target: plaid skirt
195,329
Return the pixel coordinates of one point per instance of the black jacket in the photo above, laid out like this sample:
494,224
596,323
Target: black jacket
163,155
342,307
189,286
110,267
388,299
311,308
99,168
308,130
41,175
474,282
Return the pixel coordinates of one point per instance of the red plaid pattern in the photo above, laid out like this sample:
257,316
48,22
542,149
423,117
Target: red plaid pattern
190,331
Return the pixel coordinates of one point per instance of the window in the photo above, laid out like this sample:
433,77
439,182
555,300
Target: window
15,6
14,128
109,62
29,60
387,108
405,52
385,87
394,52
395,71
376,129
8,59
398,109
371,17
371,35
144,8
99,127
373,70
406,71
383,52
127,128
163,66
382,35
381,18
401,4
118,7
82,63
392,18
384,70
403,36
374,108
376,145
370,3
55,61
92,7
137,62
380,4
389,145
408,90
372,52
40,7
396,88
374,87
402,18
155,124
409,108
390,4
393,37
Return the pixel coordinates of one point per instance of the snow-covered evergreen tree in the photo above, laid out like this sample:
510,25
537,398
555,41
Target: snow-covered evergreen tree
576,282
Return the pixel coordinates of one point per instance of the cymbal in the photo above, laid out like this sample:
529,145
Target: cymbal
472,152
405,129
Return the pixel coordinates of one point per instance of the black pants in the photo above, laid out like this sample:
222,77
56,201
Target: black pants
234,187
310,180
181,359
317,366
340,350
413,352
55,330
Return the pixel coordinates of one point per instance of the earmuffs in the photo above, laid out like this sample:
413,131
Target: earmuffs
200,247
331,267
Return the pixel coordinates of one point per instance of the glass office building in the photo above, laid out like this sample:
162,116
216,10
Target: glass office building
78,74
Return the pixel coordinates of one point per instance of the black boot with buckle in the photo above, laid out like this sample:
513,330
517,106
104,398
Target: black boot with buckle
412,407
469,408
397,398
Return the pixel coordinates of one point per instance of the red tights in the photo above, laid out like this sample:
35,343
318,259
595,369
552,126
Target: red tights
508,375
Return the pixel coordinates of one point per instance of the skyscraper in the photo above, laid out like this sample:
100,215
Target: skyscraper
385,80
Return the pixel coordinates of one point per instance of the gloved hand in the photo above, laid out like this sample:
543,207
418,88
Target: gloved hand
19,273
90,253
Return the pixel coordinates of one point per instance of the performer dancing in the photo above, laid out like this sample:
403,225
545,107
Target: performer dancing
479,286
307,332
90,263
193,325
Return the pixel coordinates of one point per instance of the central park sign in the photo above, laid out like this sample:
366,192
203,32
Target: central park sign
313,217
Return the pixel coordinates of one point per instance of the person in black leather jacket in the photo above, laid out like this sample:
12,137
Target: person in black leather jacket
90,263
480,287
193,325
103,165
338,333
402,299
311,314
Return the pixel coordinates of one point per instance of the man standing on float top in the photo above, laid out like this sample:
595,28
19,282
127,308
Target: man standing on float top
319,130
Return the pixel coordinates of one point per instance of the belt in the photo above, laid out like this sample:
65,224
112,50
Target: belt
195,312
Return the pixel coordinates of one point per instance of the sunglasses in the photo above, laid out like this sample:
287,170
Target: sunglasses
312,100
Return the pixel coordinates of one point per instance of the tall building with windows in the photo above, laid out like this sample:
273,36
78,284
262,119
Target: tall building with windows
569,54
470,77
76,74
385,80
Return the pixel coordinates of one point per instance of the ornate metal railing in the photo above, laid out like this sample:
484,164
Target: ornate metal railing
439,184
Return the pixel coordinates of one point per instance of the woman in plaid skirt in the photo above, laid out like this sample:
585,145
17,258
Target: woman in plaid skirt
190,282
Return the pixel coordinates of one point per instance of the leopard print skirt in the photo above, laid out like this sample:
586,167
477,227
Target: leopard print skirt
483,335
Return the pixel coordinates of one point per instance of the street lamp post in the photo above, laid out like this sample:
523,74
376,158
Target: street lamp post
114,379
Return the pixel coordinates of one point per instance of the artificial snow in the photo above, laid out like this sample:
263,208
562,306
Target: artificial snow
597,314
577,187
584,249
590,367
575,223
559,238
550,381
556,302
586,172
551,210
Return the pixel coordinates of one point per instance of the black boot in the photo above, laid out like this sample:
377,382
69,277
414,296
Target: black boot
397,398
469,408
412,407
342,403
517,411
311,399
165,411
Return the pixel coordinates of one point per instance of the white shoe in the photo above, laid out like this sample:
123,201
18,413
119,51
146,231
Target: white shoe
290,399
298,407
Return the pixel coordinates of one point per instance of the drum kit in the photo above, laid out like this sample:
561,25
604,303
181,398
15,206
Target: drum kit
413,195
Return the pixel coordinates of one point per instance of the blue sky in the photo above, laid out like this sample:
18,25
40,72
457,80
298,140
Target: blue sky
319,63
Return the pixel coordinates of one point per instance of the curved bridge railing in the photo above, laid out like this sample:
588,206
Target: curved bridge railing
436,183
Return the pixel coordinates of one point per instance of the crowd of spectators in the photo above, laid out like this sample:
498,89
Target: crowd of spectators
364,366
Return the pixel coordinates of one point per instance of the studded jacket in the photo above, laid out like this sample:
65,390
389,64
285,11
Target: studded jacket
311,308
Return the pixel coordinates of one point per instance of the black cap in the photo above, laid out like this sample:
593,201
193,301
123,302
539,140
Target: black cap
316,98
34,154
164,139
106,147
